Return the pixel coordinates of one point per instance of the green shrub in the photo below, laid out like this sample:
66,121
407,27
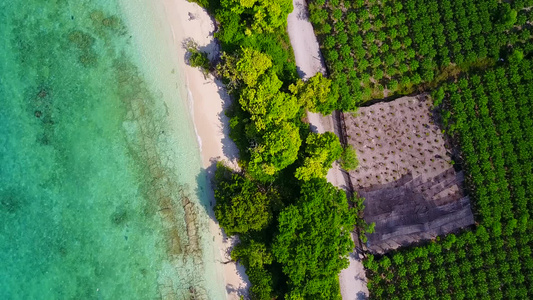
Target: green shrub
242,204
348,159
197,58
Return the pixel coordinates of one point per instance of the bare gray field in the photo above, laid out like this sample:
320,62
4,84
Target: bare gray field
405,174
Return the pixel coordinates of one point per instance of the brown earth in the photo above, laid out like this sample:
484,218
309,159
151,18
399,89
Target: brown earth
405,174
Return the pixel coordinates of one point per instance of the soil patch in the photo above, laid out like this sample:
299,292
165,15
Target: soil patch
405,174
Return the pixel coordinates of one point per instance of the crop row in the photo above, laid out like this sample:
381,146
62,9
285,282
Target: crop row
475,265
497,140
380,48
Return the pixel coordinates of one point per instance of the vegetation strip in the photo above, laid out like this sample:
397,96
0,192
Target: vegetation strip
294,226
376,49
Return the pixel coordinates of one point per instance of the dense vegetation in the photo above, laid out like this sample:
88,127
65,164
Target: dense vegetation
294,226
490,116
382,48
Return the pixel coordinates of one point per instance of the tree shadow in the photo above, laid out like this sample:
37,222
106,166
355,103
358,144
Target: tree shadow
229,148
205,188
205,193
301,9
313,128
300,72
240,291
361,296
212,50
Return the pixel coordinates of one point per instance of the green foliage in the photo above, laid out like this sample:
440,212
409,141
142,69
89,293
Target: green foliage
244,67
267,105
260,15
251,65
258,68
262,283
438,96
277,149
391,35
269,124
241,204
197,58
516,56
507,15
321,151
314,241
348,159
363,226
252,254
316,94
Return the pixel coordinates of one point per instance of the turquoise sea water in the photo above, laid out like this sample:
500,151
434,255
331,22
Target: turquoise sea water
101,191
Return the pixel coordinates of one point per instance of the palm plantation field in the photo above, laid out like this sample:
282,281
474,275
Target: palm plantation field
374,49
475,59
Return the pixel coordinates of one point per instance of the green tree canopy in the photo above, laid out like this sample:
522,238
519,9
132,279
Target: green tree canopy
507,15
266,103
321,151
241,204
252,254
244,66
262,283
277,149
198,58
316,94
314,241
260,15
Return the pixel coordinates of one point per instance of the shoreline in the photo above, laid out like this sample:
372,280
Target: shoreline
190,103
207,100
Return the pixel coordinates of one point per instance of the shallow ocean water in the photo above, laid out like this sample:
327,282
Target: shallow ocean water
101,188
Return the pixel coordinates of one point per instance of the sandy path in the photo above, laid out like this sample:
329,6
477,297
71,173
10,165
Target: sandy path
309,61
207,101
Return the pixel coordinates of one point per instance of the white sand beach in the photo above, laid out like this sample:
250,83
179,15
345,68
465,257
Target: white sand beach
207,100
